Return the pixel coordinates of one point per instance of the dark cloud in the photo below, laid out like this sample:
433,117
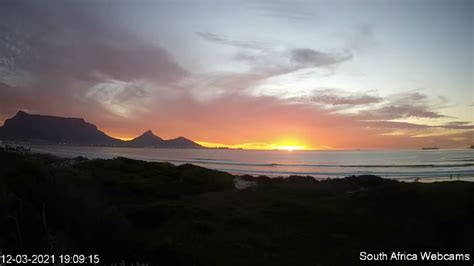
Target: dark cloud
341,100
405,111
331,98
220,39
62,103
376,108
265,60
338,99
71,40
119,93
410,97
62,49
403,105
264,63
458,125
272,63
311,58
393,125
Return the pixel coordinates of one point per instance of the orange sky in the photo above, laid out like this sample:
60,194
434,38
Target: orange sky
288,75
267,123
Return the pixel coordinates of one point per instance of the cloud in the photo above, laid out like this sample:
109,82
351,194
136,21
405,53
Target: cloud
392,125
264,58
362,39
402,105
77,59
238,118
220,39
274,63
305,57
458,125
71,41
405,111
350,100
64,49
292,11
338,97
263,61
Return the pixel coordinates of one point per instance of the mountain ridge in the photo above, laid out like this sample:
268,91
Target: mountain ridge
146,139
46,129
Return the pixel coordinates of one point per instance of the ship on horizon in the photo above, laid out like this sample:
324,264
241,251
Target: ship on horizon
430,148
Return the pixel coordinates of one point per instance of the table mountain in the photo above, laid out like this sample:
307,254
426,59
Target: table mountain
43,129
54,130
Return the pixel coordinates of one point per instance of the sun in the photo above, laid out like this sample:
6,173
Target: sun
283,144
289,144
290,148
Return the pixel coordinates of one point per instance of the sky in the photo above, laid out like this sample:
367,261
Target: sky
347,74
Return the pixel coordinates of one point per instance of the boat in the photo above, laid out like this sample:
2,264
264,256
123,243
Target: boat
430,148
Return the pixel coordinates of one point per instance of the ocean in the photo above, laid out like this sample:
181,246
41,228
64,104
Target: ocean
427,165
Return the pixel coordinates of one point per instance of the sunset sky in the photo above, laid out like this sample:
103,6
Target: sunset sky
254,74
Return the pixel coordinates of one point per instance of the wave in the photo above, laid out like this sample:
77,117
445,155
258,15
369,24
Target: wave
204,159
463,173
221,162
456,165
211,161
461,160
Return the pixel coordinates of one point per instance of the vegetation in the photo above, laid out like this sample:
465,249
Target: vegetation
161,214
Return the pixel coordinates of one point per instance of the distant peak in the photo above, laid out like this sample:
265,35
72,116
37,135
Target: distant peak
148,134
20,112
181,139
146,139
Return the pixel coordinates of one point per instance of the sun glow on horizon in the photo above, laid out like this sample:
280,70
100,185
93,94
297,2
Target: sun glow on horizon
123,138
291,148
281,144
284,146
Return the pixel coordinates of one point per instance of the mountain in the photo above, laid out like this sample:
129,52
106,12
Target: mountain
147,139
42,129
54,130
180,143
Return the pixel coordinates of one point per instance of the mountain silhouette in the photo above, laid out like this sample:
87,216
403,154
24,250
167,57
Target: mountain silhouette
180,143
55,130
43,129
147,139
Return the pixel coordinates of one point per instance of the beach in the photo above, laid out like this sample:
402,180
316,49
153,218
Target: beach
406,165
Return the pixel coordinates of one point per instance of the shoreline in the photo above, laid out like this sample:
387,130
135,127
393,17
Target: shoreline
20,143
271,174
469,176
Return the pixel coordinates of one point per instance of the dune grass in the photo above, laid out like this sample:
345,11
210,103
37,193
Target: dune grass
162,214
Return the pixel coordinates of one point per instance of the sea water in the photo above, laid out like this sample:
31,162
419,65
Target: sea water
405,164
